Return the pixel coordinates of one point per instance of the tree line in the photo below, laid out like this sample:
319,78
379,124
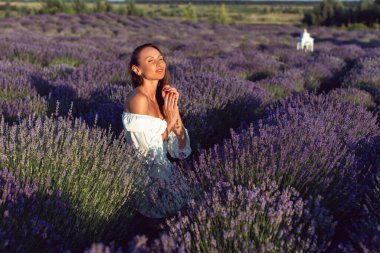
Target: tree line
128,7
335,13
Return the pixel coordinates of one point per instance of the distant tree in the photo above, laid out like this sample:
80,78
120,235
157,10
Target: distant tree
222,15
100,6
333,12
53,7
190,13
7,8
133,10
79,6
311,18
366,4
329,12
109,7
368,12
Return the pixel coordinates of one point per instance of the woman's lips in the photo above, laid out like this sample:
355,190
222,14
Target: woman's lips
159,70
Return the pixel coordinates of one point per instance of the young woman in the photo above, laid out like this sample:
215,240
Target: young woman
154,127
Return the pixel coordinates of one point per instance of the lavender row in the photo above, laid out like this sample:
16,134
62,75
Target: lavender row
96,173
365,75
324,146
18,97
230,218
316,144
84,68
25,211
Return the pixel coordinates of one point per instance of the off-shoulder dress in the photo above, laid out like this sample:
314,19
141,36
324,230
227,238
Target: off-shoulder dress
167,191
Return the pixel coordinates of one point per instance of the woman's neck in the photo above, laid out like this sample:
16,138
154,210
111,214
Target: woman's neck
149,87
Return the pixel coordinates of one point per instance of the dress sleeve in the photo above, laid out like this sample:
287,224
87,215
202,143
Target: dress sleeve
145,133
173,146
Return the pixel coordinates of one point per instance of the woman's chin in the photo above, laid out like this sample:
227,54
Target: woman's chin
157,77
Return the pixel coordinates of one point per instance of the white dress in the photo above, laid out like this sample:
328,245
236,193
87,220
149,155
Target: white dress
167,191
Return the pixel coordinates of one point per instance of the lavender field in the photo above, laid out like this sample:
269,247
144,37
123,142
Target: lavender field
286,144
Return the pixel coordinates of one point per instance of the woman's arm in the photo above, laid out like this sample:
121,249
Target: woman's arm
179,131
165,135
170,112
178,128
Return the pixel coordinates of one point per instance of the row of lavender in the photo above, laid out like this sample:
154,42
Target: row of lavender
66,59
320,153
318,195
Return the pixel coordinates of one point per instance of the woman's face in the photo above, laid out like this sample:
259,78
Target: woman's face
151,64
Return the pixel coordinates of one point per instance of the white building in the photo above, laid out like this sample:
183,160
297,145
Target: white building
305,42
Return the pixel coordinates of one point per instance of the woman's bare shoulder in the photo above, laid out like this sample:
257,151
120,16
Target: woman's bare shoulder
137,102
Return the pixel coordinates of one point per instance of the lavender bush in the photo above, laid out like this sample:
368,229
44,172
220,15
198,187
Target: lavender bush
312,143
25,211
18,98
252,65
102,248
348,52
362,233
227,100
364,75
96,173
164,243
356,96
321,70
140,244
284,84
290,58
260,218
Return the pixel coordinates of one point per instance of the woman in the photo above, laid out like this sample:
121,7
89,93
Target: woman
154,127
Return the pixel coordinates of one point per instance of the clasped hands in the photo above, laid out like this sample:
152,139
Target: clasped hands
171,110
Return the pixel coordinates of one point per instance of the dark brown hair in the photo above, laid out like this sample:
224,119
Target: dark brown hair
138,80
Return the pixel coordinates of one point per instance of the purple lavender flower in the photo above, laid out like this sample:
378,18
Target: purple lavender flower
364,75
102,248
95,172
25,212
244,223
317,144
356,96
284,84
18,97
227,100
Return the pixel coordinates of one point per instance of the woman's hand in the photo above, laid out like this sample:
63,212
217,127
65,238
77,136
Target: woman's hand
170,109
168,89
178,125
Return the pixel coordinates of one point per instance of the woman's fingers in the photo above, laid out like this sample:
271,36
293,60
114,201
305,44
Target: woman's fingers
166,102
164,90
170,90
167,89
171,101
174,90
